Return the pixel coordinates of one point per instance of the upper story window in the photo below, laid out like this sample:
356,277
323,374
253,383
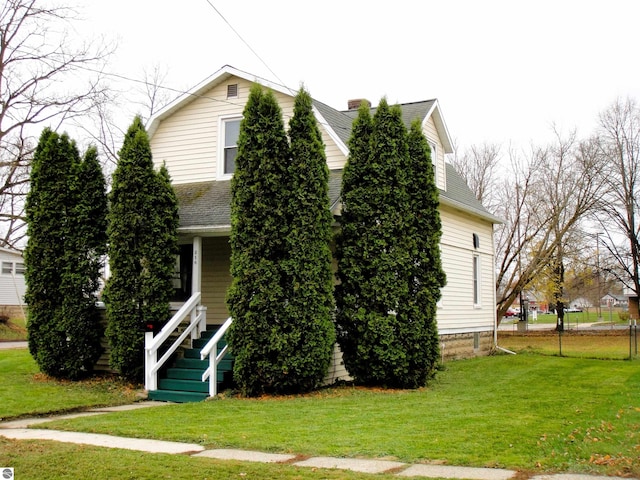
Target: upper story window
7,268
228,141
19,268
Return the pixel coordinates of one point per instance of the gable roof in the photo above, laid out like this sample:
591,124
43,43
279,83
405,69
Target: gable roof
337,123
203,87
205,206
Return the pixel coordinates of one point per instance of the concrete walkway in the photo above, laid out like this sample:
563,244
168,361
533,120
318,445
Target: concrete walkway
8,345
18,430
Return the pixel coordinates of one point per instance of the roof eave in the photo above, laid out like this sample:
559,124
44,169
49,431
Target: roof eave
441,126
465,208
205,85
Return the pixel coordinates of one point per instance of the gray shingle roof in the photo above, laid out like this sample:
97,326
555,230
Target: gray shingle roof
458,194
341,121
207,205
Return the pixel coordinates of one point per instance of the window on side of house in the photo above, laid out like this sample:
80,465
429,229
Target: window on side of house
19,268
7,268
229,132
476,281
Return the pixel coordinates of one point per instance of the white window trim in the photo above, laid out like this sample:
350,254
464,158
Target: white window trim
222,120
2,267
434,161
477,281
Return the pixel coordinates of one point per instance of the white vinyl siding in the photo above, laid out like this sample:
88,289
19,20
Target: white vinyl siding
216,278
188,140
458,311
431,133
12,282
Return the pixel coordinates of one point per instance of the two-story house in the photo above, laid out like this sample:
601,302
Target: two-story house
196,135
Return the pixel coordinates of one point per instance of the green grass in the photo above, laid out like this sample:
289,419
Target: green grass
575,318
24,391
603,345
54,461
527,412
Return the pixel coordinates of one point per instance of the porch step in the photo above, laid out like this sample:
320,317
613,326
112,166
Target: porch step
195,352
175,396
191,374
183,385
181,382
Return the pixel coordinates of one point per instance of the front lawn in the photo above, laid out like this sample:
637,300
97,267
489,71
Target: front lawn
527,412
25,391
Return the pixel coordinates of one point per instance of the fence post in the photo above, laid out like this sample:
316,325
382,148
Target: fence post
151,358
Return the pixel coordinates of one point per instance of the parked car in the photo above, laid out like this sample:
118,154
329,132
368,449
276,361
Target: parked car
511,313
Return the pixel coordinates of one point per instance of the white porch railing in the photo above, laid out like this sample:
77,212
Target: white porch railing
197,324
211,349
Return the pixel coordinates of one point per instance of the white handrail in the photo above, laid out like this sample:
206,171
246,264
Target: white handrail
152,344
175,321
212,346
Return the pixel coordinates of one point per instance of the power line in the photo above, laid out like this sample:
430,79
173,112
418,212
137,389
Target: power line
248,46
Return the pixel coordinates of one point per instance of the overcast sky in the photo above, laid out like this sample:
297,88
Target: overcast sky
503,71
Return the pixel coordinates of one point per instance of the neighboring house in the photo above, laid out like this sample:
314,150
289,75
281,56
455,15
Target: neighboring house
195,136
12,284
615,300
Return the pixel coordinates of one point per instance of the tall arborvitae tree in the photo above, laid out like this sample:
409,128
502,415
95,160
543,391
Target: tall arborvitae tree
258,295
162,250
425,275
354,263
377,255
142,245
63,257
310,303
280,297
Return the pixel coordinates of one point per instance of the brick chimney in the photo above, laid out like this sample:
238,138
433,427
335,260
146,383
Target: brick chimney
355,103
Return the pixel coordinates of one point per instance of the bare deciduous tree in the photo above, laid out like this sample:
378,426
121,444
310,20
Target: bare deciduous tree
555,188
478,165
619,135
39,86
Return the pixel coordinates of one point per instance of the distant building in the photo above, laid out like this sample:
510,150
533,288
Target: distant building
12,283
614,300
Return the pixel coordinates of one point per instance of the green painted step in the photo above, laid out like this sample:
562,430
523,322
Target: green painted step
197,364
191,374
182,381
183,385
195,353
202,341
174,396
